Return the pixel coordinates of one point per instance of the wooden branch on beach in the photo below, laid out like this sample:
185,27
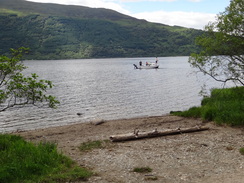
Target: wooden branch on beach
155,133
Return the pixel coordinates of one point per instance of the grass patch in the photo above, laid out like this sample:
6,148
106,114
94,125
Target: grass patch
98,144
224,106
23,161
242,151
142,169
151,178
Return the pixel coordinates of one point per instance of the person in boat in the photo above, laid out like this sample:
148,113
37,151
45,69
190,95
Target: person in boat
146,63
140,63
156,60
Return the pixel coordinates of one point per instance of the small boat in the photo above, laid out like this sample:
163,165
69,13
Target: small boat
148,66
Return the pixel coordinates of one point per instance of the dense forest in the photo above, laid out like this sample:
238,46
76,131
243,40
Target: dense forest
61,32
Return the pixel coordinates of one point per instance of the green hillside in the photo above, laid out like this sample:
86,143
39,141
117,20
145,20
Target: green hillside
61,32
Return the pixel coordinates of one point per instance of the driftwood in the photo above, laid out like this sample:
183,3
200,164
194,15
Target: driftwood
155,133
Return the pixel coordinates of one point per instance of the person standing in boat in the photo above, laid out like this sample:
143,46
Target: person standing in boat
140,63
156,60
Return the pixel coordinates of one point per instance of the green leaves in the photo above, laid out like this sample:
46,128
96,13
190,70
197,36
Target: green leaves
231,21
16,89
222,46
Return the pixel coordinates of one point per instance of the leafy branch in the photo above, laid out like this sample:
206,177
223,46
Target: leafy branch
18,90
222,55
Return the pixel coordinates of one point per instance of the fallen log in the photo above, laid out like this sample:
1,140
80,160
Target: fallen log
155,133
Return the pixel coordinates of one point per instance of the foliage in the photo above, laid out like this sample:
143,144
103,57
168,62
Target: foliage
194,112
16,89
222,56
22,161
63,32
223,106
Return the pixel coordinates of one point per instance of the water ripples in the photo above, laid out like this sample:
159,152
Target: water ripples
107,89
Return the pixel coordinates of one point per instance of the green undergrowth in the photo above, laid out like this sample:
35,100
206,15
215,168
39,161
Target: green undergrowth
224,106
97,144
23,161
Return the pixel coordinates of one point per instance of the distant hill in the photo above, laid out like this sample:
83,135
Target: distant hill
62,10
55,31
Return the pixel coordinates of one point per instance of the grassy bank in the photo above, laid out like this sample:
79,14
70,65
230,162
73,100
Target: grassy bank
224,106
23,161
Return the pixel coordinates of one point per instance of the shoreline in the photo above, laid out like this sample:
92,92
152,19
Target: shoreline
207,156
96,120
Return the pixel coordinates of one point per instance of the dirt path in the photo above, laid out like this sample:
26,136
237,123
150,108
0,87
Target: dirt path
210,156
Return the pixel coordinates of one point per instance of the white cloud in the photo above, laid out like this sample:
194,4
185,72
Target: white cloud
185,19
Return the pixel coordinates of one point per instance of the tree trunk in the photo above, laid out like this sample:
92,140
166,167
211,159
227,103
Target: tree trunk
136,135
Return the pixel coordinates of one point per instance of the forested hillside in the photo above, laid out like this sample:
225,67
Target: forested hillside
61,32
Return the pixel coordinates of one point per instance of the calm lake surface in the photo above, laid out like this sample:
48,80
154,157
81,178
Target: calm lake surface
108,89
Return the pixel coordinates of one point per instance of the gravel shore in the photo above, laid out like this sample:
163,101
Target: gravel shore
210,156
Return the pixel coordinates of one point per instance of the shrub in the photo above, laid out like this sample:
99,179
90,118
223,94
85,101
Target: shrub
222,106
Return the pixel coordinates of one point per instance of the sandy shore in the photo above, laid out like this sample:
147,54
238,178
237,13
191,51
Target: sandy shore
210,156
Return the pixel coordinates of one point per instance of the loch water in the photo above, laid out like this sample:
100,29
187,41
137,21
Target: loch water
108,89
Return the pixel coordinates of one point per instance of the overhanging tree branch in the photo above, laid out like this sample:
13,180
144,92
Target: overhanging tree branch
223,37
18,90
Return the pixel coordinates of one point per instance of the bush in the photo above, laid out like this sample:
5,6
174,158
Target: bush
22,161
208,113
222,106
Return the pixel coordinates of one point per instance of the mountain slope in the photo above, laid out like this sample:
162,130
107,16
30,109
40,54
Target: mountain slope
59,32
61,10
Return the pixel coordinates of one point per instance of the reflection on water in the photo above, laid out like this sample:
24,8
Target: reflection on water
108,89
